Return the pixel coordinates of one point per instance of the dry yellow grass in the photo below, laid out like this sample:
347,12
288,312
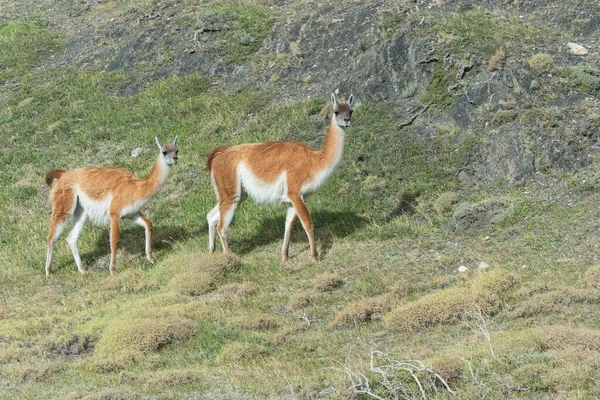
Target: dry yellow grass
199,274
255,321
245,289
592,276
449,305
300,300
328,281
496,61
555,301
242,352
128,339
362,311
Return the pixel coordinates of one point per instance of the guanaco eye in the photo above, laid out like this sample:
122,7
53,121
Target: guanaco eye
336,112
164,153
350,112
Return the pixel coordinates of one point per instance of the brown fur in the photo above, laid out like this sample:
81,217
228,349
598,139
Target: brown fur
267,162
212,155
52,175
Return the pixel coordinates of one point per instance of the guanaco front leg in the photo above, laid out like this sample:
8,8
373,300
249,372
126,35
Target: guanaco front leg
141,220
306,220
115,234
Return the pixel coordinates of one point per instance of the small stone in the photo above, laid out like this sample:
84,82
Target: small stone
462,268
524,266
534,85
577,49
486,238
483,265
136,152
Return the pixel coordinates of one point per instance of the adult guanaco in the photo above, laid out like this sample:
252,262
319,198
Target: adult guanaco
284,171
104,195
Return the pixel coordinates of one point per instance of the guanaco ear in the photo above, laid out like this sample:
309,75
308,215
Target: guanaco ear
174,143
158,143
351,100
333,101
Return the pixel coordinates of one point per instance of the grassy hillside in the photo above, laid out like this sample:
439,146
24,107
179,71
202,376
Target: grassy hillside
385,314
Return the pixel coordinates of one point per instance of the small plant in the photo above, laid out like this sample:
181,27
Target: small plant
496,61
540,62
587,79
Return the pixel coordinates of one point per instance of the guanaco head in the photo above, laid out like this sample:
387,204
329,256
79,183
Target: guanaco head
342,112
168,152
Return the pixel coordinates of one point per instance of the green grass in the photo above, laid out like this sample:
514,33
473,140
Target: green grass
197,325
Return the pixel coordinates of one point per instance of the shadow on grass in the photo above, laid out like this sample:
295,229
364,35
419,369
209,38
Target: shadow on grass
329,226
133,241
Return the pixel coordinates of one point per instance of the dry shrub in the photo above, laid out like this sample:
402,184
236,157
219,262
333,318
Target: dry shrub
496,61
29,373
170,378
242,352
592,276
362,311
245,289
533,376
129,338
540,62
328,281
450,305
572,370
255,321
547,337
199,274
193,283
445,202
555,301
283,336
10,353
562,337
449,368
300,300
105,394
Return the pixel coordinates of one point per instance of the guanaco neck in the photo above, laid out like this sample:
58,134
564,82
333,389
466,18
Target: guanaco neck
333,147
157,177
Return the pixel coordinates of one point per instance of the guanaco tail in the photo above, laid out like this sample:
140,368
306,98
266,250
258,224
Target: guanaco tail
275,172
104,195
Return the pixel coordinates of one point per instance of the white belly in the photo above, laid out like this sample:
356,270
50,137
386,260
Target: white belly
96,210
262,192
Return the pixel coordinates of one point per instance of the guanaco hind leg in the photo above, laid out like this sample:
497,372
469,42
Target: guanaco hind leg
290,220
78,218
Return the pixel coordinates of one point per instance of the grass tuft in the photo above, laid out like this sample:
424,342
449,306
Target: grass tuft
242,352
242,290
128,339
199,274
255,322
362,311
328,281
540,62
449,305
592,276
